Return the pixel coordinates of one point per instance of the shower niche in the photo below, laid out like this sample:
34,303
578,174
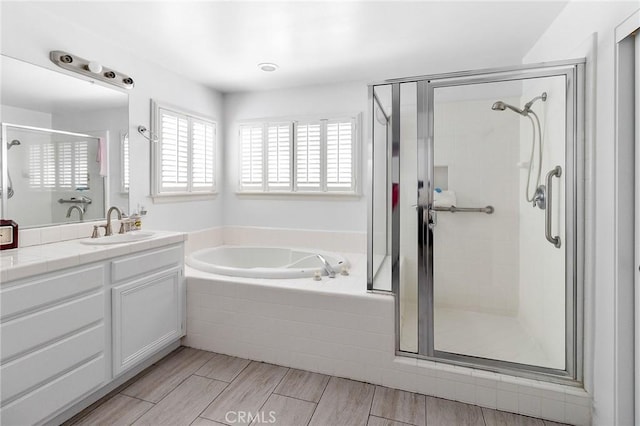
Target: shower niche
481,228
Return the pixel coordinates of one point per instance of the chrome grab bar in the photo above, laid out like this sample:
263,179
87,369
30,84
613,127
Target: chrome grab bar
73,200
454,209
557,172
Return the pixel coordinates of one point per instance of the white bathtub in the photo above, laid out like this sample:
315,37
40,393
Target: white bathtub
264,262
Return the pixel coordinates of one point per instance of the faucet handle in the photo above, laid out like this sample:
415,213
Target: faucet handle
122,228
95,233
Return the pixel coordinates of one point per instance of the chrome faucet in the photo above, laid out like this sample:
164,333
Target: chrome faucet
326,266
108,230
80,211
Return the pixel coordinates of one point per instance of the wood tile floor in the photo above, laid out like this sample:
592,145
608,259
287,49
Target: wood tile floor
193,387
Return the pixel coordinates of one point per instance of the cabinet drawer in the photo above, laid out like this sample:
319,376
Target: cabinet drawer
25,297
46,400
140,264
40,366
30,331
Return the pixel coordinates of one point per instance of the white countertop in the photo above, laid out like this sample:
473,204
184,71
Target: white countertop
28,261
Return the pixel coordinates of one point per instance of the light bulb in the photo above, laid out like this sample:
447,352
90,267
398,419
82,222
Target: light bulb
94,67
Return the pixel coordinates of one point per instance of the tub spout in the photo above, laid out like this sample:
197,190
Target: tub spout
326,266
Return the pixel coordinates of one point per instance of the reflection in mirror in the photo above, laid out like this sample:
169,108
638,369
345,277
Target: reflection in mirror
52,176
72,137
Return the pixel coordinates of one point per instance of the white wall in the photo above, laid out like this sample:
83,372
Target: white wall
570,35
329,213
29,33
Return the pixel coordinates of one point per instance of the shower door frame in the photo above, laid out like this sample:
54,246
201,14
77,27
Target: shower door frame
573,71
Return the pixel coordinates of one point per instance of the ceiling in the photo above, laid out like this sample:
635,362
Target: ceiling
220,44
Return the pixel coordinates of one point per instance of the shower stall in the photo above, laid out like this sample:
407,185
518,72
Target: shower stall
476,216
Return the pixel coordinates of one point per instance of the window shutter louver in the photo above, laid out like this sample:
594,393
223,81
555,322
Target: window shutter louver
125,163
340,155
81,165
279,156
65,165
174,148
48,166
202,136
252,157
308,157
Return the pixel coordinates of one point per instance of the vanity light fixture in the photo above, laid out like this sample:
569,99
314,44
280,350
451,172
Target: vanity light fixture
268,66
91,69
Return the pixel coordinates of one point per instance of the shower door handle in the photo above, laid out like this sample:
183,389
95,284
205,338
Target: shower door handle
556,172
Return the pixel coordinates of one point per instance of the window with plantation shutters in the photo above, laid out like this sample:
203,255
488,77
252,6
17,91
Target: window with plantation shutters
184,153
61,165
311,156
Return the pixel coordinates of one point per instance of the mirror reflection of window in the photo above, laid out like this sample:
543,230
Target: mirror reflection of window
60,165
124,174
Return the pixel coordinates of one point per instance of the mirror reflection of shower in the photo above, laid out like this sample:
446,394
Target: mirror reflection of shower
10,190
537,196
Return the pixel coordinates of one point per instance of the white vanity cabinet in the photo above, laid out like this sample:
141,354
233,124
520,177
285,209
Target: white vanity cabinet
53,342
147,305
71,335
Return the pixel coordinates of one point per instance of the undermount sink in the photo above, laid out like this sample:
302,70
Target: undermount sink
119,238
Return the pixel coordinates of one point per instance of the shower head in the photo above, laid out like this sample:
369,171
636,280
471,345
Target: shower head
501,106
13,143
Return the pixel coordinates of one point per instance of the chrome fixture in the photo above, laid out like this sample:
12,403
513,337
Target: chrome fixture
540,198
557,172
454,209
501,106
151,137
91,69
73,200
107,229
10,190
528,112
80,211
327,267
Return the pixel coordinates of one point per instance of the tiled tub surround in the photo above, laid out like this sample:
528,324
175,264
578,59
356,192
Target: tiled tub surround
70,321
335,327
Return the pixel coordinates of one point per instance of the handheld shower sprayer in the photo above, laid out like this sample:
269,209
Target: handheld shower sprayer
528,112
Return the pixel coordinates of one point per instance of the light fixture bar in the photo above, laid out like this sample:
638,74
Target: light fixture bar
90,69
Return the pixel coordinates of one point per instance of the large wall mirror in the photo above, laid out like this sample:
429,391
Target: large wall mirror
64,145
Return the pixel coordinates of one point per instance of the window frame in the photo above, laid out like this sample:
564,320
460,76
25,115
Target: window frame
294,123
157,193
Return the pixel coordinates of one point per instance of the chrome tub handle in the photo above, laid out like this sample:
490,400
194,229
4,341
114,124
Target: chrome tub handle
556,172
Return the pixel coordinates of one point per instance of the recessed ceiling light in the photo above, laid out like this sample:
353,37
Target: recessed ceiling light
268,67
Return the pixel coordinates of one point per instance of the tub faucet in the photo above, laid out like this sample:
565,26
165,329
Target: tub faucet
326,266
80,211
108,230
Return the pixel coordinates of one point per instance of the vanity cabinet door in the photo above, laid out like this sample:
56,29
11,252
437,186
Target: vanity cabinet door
147,315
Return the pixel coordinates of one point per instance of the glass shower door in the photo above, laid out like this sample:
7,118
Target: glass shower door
498,282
